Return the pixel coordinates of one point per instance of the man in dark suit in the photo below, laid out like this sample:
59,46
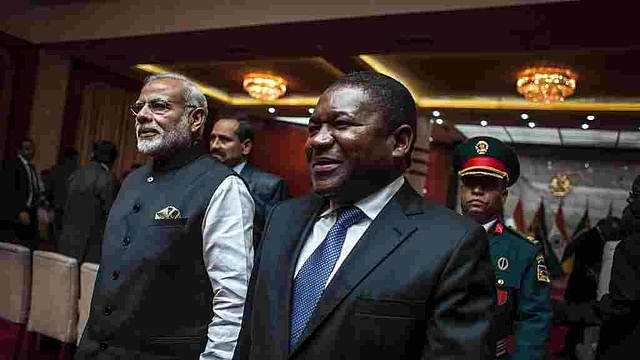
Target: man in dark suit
364,268
57,186
92,191
231,143
23,192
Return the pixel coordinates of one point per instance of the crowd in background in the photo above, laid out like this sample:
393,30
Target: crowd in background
66,209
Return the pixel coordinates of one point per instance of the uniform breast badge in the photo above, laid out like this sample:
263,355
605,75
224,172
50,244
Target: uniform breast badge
503,263
541,270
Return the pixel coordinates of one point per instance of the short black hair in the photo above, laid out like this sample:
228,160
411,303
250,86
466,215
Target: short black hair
387,96
70,153
104,151
23,140
245,130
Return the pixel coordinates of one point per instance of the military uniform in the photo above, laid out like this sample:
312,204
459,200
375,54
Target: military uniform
523,305
522,302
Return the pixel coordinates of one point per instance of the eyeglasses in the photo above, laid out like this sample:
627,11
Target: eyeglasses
158,107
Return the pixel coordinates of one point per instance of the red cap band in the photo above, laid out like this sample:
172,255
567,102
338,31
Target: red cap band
485,161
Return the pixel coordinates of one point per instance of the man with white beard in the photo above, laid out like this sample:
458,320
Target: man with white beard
177,252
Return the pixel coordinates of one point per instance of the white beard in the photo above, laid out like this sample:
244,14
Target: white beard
177,136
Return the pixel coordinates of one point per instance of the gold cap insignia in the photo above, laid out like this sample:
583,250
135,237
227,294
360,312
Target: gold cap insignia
482,147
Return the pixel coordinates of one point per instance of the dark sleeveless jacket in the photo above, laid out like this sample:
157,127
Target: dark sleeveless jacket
153,297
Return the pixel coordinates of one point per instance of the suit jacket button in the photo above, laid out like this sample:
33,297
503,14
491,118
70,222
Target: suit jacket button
107,311
126,241
115,275
136,208
103,345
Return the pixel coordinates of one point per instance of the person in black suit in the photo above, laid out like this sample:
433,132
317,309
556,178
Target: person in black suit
231,143
23,193
582,286
92,191
364,267
56,187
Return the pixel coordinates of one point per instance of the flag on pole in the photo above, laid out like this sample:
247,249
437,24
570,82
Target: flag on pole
583,225
558,237
538,230
518,216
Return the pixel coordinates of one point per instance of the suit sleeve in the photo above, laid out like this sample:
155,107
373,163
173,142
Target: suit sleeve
461,324
281,192
17,197
109,192
624,288
622,299
534,311
243,345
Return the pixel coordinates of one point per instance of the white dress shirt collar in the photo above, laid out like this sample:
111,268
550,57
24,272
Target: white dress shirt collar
489,225
238,168
24,161
372,205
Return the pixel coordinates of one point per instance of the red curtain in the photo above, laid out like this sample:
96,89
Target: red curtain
279,149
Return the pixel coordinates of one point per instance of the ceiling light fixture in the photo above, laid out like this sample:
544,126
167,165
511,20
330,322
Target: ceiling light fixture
435,113
271,110
311,110
546,84
524,116
263,86
484,123
591,117
531,124
585,126
439,121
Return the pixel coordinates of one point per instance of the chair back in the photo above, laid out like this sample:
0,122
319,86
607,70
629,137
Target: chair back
54,296
88,275
15,282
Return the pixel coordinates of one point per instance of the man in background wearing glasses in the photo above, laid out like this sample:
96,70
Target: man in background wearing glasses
177,252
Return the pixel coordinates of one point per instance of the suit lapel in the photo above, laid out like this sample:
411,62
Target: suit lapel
292,243
390,228
308,217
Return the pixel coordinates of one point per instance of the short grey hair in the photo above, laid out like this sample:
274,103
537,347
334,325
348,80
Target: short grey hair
191,94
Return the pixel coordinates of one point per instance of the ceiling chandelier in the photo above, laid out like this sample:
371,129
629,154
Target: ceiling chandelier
546,84
263,86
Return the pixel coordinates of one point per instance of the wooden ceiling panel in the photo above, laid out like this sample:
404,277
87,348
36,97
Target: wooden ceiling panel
610,73
304,76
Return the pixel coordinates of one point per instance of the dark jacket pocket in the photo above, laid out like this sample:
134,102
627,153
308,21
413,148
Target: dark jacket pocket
390,308
170,222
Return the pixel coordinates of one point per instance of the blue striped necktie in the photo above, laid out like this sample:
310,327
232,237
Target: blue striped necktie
312,277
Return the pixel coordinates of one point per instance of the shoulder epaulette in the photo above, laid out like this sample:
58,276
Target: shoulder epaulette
528,238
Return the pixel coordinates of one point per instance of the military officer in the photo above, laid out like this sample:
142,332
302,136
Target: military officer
487,168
